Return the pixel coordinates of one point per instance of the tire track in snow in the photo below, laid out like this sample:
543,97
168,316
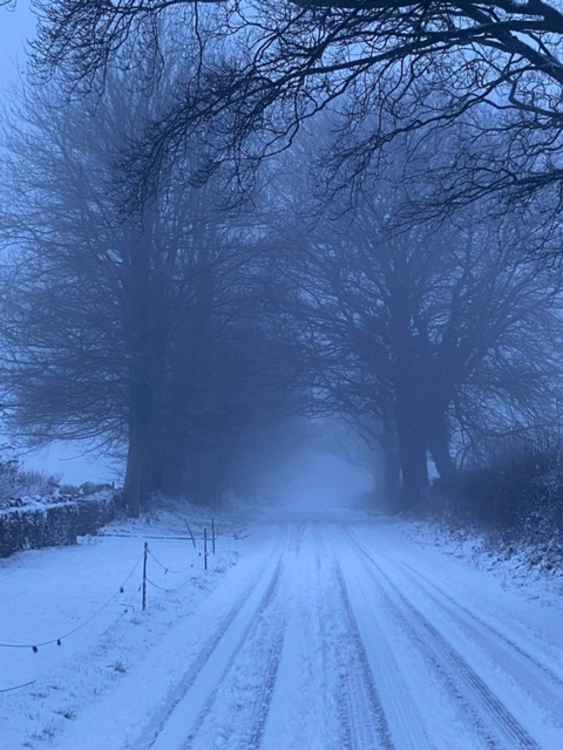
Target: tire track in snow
328,601
273,662
364,721
322,620
523,667
301,529
151,733
489,702
434,660
426,583
263,700
304,709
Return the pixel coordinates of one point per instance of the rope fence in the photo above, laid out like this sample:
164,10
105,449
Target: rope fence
18,687
167,569
143,560
81,625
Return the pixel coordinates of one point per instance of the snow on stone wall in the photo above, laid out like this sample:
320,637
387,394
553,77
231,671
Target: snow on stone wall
37,524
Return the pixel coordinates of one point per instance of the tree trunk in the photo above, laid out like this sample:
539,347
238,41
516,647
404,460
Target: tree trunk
439,443
412,453
392,476
141,434
390,466
135,485
157,457
175,464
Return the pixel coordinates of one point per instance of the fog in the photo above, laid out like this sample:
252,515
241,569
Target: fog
73,463
281,375
173,287
314,481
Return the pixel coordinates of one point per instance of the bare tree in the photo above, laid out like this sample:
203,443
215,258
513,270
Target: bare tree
155,329
94,301
407,65
433,332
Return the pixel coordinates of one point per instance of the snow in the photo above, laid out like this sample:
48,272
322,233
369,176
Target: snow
521,567
35,503
309,631
50,592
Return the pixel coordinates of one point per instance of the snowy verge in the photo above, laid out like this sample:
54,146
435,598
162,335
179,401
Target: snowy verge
89,596
516,565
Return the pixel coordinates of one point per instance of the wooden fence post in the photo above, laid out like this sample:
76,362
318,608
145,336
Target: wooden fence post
205,548
213,535
145,558
192,537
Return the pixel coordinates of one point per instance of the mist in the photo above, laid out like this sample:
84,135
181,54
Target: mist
281,375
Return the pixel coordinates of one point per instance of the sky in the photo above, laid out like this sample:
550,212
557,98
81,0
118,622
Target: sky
16,26
73,463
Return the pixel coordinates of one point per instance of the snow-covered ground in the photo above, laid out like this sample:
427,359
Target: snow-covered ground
48,593
537,572
309,631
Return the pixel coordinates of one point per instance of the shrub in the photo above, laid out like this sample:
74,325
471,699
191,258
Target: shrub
17,482
519,496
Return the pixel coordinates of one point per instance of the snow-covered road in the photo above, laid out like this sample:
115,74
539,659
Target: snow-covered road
344,639
331,635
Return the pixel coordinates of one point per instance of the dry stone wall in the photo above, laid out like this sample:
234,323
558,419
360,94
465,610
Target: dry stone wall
36,525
